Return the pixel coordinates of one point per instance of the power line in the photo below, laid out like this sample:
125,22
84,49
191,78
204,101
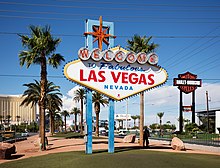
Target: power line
93,7
114,20
190,55
138,4
113,16
154,36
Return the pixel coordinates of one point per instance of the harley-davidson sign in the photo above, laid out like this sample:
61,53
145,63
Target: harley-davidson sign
116,73
187,82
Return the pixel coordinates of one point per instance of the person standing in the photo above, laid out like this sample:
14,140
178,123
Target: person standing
146,135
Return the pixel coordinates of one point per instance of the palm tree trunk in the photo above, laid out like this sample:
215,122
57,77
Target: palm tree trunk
97,124
141,119
50,116
42,100
65,122
51,123
81,113
160,127
75,121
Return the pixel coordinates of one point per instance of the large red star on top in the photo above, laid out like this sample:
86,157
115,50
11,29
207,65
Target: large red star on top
100,34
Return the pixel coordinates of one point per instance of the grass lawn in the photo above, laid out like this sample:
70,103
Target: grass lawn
122,158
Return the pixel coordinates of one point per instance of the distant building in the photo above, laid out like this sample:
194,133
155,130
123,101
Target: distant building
10,105
214,119
122,120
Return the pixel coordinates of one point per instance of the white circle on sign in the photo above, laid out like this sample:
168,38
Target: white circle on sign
96,54
131,57
120,56
142,58
153,58
108,55
83,54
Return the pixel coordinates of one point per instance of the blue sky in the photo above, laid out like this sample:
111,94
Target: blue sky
187,33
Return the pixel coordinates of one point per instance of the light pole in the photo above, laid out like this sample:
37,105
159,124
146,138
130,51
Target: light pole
207,108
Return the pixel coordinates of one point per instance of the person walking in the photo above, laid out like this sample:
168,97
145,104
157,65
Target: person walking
146,135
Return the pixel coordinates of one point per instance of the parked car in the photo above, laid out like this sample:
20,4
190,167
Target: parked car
24,134
123,133
103,132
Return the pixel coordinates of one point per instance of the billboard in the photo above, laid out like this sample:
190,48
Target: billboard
116,73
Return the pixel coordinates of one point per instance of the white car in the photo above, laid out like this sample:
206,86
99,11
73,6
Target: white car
25,134
123,133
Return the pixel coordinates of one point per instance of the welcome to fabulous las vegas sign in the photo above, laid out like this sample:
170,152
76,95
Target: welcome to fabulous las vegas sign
116,72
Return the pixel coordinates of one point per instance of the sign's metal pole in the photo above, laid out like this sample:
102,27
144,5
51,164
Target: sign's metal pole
193,107
181,112
88,122
111,127
89,45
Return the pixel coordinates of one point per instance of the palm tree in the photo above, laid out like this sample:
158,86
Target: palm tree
98,99
160,115
57,120
8,118
1,118
65,114
134,118
75,111
32,95
18,119
41,47
80,95
53,103
141,44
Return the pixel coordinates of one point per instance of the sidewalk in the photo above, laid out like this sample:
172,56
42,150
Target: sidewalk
26,149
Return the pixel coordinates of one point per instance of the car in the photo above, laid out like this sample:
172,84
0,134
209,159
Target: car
103,132
123,133
24,134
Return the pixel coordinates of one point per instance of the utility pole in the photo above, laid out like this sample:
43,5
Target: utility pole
126,114
207,108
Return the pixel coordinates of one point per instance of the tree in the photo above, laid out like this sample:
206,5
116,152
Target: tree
32,96
190,127
65,114
141,44
41,47
57,120
18,119
80,95
53,103
134,118
154,126
1,118
98,99
8,118
75,111
160,115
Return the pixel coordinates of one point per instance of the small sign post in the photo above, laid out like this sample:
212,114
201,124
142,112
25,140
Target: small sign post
187,83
